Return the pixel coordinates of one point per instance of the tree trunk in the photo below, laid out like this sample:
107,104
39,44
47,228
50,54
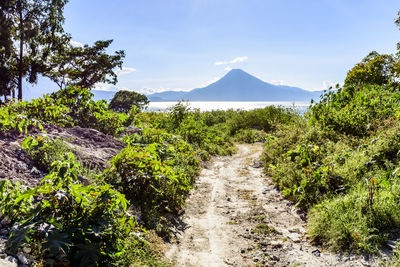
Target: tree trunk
21,52
20,71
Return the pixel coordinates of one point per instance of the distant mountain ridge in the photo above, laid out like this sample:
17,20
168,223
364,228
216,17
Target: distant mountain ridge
238,85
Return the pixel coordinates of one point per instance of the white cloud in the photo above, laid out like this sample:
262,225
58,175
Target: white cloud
239,59
228,68
277,82
327,84
125,70
105,87
235,60
75,43
149,90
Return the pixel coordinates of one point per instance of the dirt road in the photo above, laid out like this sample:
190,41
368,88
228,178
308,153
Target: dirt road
235,217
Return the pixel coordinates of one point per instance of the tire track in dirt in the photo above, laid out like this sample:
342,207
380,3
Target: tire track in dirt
236,217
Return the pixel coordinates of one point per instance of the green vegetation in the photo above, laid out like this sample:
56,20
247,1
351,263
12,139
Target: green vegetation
88,217
124,100
156,171
44,151
341,162
84,66
264,229
82,217
62,218
68,107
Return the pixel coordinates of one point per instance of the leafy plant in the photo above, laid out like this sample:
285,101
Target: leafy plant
155,176
44,151
123,101
62,218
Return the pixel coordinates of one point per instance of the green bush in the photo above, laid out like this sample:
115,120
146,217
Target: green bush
90,114
156,177
10,119
60,218
68,107
251,136
266,119
355,110
44,151
325,172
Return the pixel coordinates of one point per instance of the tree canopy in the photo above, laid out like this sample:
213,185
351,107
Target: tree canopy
374,69
34,30
124,100
33,42
84,66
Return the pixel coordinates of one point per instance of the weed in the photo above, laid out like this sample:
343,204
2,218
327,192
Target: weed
264,229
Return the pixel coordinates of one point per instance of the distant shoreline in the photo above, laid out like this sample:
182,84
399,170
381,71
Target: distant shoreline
225,105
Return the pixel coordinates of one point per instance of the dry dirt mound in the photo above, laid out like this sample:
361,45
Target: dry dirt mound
236,217
14,162
92,147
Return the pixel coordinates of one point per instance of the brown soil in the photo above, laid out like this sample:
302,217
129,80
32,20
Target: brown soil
236,217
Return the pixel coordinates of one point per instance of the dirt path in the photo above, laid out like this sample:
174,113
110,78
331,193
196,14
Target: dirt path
235,217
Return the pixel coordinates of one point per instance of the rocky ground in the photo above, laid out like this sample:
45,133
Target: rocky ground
92,147
236,217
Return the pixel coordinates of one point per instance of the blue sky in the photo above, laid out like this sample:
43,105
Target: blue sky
175,44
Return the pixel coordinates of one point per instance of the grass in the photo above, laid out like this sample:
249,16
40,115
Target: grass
264,229
247,195
341,171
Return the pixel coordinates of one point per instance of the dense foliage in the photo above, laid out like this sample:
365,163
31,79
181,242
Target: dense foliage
374,69
68,107
82,216
341,163
62,218
356,110
123,101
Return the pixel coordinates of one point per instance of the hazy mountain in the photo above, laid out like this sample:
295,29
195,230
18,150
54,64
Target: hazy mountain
238,85
167,96
102,95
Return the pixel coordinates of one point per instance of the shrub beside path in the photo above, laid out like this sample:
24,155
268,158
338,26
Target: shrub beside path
236,217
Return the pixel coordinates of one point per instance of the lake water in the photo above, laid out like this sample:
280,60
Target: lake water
225,105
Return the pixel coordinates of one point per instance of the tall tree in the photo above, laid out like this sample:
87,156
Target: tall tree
36,31
397,65
7,55
84,66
